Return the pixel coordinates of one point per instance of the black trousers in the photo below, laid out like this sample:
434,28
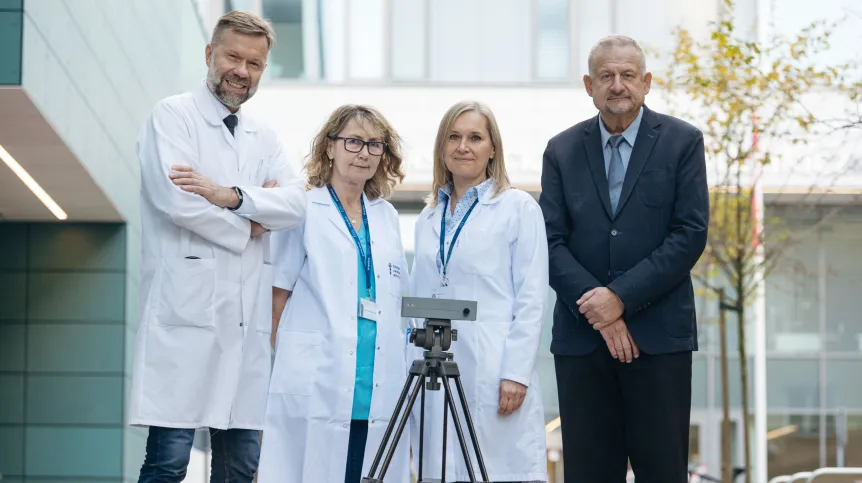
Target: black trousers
356,450
613,413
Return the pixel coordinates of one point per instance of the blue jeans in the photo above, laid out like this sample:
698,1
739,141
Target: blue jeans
235,455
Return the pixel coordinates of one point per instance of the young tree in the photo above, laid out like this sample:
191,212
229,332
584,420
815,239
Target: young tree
747,98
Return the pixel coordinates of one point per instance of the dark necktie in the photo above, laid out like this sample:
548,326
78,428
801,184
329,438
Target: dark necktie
231,122
616,171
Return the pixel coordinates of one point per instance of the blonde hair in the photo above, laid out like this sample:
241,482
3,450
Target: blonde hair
496,169
243,23
388,172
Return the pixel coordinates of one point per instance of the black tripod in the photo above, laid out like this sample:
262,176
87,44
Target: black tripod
435,338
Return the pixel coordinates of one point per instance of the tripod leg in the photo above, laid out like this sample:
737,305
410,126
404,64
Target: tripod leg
450,402
421,428
469,419
395,413
445,439
400,430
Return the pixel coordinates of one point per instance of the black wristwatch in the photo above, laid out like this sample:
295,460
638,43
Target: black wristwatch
239,195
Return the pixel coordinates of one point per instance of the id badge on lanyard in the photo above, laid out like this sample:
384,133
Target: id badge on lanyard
445,291
367,307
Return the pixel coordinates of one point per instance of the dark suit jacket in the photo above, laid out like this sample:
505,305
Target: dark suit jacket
646,252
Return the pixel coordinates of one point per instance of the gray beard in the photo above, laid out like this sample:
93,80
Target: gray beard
229,99
622,110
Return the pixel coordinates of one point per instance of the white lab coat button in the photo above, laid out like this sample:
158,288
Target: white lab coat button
352,317
351,352
344,425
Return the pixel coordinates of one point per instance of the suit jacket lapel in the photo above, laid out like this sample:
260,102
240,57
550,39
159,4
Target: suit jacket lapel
596,160
647,135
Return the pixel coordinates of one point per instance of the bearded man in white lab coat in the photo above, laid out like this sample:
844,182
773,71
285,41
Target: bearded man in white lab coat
214,183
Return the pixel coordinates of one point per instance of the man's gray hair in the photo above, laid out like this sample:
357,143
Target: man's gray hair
616,41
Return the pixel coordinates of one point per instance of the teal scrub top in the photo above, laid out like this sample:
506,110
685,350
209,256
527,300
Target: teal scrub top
365,343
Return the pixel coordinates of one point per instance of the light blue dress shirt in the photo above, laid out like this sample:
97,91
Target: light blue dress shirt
464,204
630,134
365,343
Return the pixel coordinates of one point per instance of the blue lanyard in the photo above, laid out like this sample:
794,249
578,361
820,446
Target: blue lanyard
364,252
445,261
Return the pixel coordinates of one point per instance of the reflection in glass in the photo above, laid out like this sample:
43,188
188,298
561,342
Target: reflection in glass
794,443
694,443
552,40
286,59
409,35
852,441
841,244
698,381
735,382
792,307
792,383
844,383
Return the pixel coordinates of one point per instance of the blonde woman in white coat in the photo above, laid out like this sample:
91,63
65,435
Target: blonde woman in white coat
340,356
494,251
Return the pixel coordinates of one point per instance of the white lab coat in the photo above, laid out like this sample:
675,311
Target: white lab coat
500,261
310,404
202,352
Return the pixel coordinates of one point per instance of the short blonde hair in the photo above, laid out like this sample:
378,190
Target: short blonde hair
243,23
496,169
388,172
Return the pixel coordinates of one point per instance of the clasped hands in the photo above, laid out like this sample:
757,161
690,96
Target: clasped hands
603,309
190,181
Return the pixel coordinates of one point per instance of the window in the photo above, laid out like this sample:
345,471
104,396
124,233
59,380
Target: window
367,39
477,41
843,277
552,40
842,384
408,41
792,289
287,57
792,383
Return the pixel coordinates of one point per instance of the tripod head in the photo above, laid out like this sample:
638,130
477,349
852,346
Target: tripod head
437,334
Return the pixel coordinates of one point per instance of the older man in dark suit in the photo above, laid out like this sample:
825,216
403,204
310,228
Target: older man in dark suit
625,200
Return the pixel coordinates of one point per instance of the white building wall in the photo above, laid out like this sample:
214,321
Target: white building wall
95,68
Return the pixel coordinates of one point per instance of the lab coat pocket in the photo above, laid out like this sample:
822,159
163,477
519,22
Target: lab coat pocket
483,253
187,292
264,300
297,360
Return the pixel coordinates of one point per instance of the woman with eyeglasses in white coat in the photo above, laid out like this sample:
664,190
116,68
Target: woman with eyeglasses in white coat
481,240
340,350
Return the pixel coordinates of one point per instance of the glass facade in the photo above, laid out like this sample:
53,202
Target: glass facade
814,339
62,351
11,33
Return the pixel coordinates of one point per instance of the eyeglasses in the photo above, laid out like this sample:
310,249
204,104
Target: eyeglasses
353,145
